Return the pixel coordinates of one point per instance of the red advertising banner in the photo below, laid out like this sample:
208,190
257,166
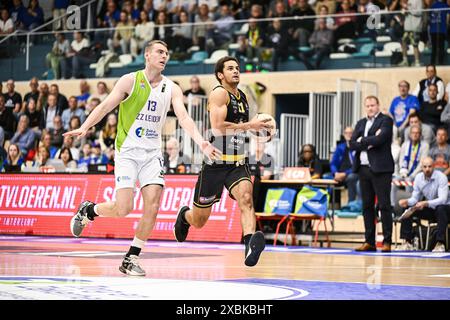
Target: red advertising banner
40,204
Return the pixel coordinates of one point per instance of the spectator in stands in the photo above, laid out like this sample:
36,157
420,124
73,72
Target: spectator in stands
309,158
427,132
412,29
261,164
395,22
17,11
200,32
440,152
78,54
329,4
47,141
303,27
74,124
68,143
59,14
97,156
24,136
438,29
73,110
143,33
430,111
255,41
193,92
7,119
101,94
148,7
51,110
33,94
61,100
42,158
112,16
85,155
67,159
35,116
321,42
33,17
6,23
2,139
13,99
163,32
421,90
14,159
57,132
182,34
402,106
128,7
108,135
257,13
279,45
412,152
345,22
174,160
85,93
329,20
341,165
43,96
431,185
122,35
221,34
60,50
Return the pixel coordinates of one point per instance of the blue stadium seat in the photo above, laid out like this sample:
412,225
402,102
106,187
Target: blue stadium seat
197,57
365,50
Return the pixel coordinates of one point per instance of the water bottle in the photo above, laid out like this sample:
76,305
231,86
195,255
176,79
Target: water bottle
416,243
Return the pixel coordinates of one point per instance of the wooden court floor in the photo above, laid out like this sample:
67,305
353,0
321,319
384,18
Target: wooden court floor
282,273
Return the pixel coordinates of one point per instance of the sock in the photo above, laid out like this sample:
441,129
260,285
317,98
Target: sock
91,212
136,247
247,241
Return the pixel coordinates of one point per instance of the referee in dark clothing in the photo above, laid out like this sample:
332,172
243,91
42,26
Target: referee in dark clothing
372,140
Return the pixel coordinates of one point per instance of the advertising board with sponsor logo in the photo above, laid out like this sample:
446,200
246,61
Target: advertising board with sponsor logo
43,204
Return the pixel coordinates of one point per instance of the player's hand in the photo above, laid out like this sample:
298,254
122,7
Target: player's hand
210,151
258,124
77,133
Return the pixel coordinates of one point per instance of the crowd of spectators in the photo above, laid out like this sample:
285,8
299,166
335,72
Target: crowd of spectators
136,22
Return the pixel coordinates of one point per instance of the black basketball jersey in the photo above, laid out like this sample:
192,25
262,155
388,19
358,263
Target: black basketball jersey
233,146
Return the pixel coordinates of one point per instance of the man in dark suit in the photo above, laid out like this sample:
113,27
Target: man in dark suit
374,163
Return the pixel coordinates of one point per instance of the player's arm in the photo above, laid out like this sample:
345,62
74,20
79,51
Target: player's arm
188,124
122,87
218,112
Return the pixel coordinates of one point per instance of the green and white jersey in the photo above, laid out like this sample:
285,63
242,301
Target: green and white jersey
143,113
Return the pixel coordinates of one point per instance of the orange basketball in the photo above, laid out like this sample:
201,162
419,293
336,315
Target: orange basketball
264,135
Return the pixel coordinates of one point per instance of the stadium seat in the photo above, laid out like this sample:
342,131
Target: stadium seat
340,55
383,39
215,56
365,50
126,59
304,49
242,31
345,41
197,57
388,48
362,40
138,61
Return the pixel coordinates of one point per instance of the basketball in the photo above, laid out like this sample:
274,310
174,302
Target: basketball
264,135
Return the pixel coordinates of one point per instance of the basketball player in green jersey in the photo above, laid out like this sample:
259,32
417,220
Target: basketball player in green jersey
229,117
144,97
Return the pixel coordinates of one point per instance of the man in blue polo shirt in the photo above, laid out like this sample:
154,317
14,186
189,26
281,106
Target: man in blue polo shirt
438,30
402,106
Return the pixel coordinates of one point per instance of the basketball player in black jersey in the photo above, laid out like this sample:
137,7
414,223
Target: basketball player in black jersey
229,117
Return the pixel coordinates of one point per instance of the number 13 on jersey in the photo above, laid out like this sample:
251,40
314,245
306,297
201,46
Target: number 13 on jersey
151,105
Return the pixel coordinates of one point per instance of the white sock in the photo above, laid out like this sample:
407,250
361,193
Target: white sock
96,210
138,243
